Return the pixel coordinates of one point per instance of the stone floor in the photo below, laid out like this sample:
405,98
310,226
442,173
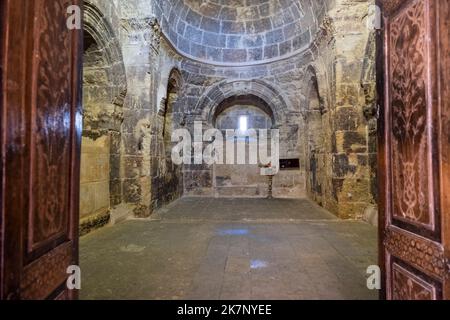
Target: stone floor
230,249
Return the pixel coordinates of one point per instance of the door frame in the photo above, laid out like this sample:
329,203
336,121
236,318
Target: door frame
381,156
439,130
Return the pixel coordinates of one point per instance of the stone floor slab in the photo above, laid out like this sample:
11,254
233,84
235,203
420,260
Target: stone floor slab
230,249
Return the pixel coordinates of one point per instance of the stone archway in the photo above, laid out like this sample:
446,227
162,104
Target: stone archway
241,179
168,110
104,87
315,138
169,181
266,98
207,106
243,100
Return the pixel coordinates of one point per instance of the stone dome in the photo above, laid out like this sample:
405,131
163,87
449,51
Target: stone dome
239,31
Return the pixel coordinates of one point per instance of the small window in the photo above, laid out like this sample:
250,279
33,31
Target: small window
289,164
243,124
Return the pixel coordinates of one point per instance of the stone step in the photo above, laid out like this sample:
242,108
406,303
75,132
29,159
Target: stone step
239,191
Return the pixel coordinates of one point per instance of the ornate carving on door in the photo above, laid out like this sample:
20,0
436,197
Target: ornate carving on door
415,235
41,106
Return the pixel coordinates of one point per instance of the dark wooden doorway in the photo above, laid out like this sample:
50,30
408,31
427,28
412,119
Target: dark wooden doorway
414,159
40,148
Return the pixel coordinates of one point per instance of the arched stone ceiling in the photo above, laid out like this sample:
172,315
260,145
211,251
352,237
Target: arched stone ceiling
240,31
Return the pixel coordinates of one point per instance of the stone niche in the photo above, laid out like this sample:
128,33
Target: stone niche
103,91
245,180
240,180
308,63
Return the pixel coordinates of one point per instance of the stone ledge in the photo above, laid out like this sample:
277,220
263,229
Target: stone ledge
95,222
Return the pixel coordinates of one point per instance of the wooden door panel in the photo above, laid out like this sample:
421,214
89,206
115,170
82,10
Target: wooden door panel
444,130
47,274
408,285
415,247
42,108
412,96
50,126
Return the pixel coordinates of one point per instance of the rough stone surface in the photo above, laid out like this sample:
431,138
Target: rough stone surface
155,66
208,249
239,31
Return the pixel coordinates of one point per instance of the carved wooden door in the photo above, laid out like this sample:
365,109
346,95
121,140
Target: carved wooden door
40,142
414,148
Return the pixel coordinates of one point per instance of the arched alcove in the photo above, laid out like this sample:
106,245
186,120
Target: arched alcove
170,180
242,114
104,91
315,141
260,92
174,85
260,114
253,99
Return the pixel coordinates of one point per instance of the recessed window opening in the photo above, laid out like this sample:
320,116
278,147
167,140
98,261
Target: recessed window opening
243,124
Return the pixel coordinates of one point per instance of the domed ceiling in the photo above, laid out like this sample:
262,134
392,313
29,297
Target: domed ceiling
239,31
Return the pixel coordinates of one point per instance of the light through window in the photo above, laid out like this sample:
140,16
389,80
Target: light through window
243,124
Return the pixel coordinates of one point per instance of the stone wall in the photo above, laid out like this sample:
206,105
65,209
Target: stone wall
353,153
142,85
167,179
95,176
207,87
121,88
104,87
321,99
256,118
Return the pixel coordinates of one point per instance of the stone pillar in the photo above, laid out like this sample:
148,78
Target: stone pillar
138,109
351,155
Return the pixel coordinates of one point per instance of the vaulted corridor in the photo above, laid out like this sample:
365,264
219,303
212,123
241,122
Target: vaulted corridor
231,249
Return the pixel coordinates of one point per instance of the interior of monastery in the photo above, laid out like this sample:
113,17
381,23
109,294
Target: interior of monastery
345,211
303,67
306,68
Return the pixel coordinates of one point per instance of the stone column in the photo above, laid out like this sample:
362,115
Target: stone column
137,33
351,171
